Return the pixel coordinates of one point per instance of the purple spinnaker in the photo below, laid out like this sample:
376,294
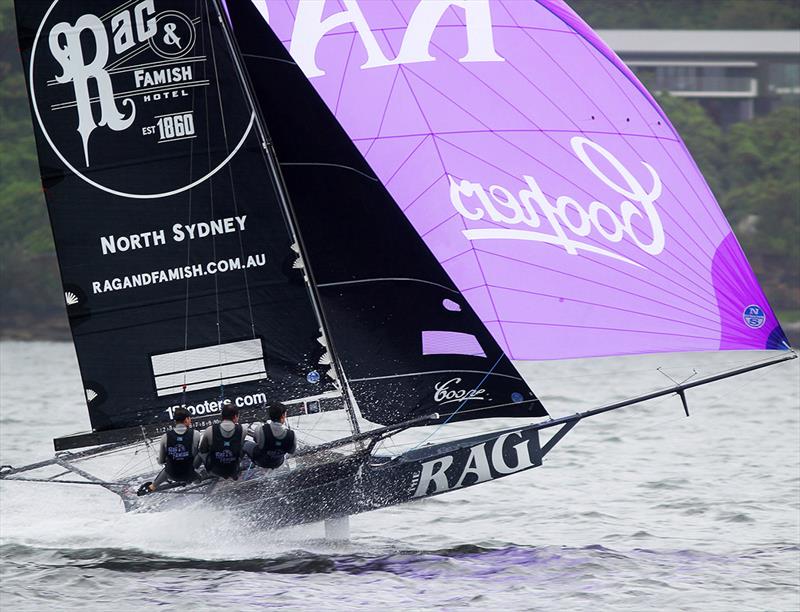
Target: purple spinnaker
539,171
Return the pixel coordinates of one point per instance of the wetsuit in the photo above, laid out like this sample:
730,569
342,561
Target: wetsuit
222,446
178,453
272,441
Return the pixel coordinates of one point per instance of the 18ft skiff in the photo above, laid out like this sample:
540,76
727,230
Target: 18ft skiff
365,212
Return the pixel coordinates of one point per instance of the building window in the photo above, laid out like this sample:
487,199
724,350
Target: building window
784,79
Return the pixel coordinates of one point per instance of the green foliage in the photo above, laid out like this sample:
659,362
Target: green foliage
754,171
702,136
690,14
24,224
765,147
763,198
28,273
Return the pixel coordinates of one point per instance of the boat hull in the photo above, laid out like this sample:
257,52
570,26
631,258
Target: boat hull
361,482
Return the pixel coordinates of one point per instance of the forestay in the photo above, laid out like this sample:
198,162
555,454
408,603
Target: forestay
543,176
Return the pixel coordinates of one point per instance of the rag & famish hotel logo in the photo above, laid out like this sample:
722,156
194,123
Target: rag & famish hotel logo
126,74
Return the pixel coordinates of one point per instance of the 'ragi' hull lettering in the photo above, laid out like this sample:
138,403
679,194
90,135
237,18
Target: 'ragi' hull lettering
498,456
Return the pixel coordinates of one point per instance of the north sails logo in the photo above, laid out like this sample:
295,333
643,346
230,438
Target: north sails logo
754,316
127,74
445,394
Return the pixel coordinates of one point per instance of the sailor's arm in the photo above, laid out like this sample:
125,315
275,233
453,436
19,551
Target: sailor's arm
162,450
199,458
257,432
205,441
197,436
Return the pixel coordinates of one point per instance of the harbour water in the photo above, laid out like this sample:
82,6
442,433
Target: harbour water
635,510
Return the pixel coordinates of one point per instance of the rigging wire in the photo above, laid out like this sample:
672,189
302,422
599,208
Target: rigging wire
413,446
129,465
615,371
281,193
233,188
463,402
211,199
652,370
189,194
715,398
148,448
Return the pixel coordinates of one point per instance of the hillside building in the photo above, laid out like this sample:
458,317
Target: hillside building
734,74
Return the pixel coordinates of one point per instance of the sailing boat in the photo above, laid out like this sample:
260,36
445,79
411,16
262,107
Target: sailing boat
365,211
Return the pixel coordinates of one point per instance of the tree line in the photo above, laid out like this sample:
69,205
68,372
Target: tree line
753,168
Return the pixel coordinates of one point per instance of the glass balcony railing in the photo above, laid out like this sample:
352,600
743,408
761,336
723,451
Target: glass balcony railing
656,80
696,83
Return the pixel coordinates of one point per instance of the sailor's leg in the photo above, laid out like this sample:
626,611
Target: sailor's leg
249,448
337,528
273,463
160,479
149,487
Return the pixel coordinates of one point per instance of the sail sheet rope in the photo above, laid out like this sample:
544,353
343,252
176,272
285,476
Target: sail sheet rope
211,202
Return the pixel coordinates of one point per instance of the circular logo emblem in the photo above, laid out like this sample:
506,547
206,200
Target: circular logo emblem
754,316
313,377
129,98
517,397
175,35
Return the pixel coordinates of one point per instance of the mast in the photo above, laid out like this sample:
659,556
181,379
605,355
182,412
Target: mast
292,224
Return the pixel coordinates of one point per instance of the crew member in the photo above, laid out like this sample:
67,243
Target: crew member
222,444
272,440
178,453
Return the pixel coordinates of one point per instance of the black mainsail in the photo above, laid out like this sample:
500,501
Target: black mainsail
189,276
179,273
